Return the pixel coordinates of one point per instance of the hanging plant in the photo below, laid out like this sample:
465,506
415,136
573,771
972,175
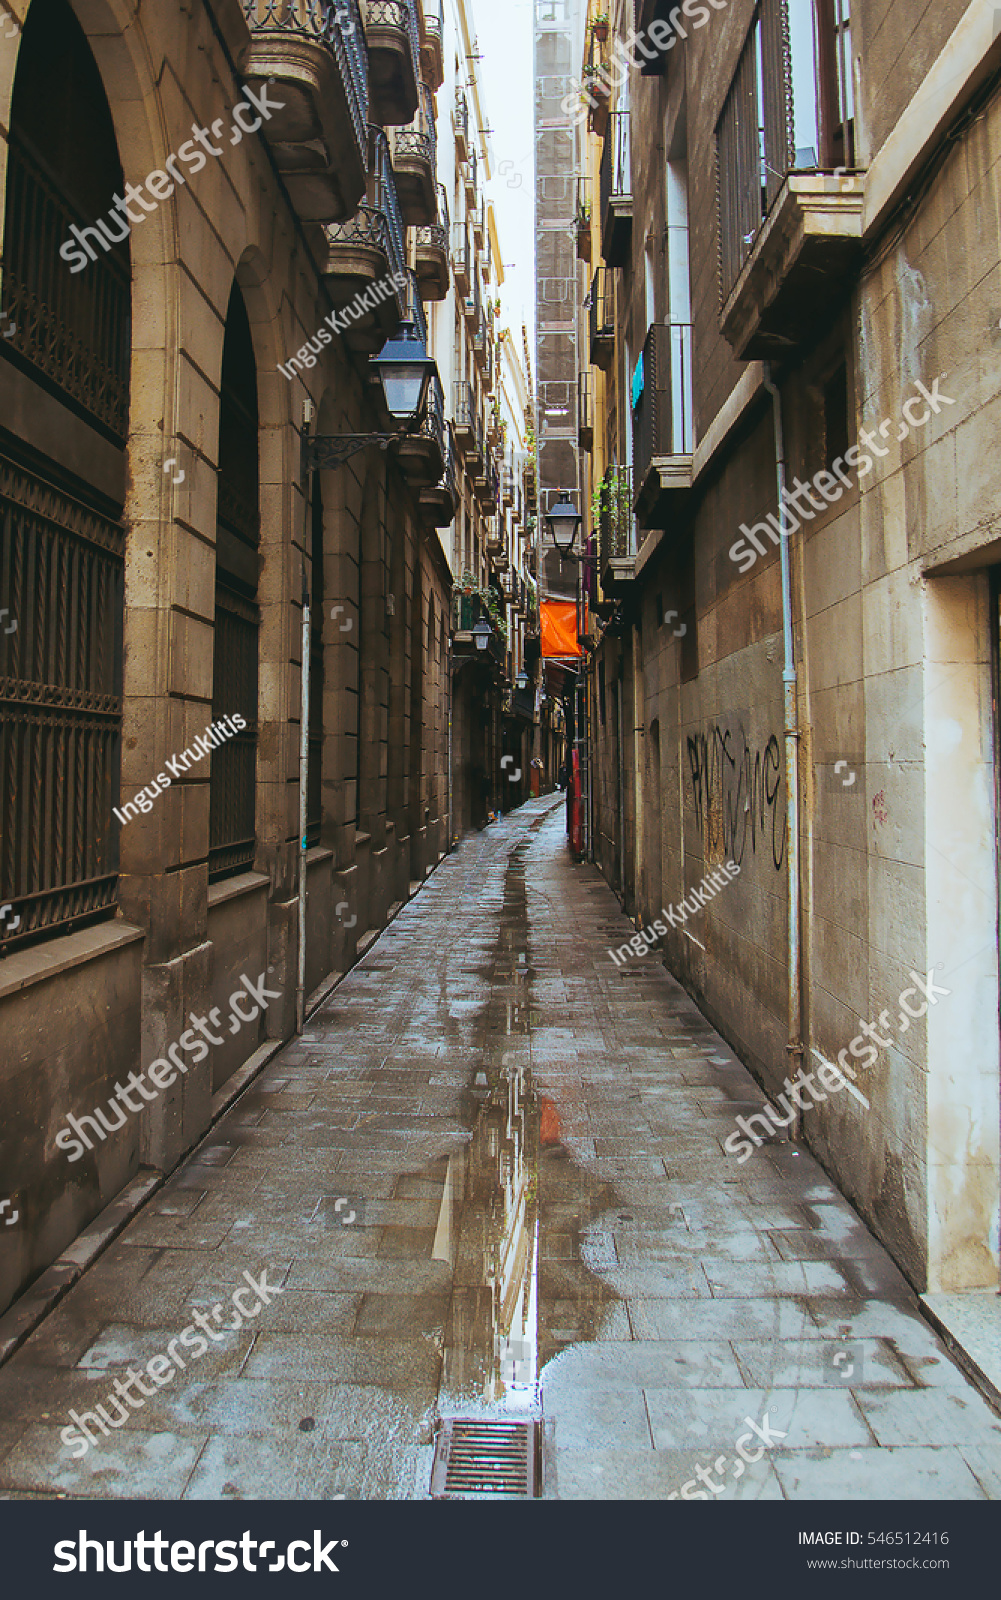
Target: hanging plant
599,27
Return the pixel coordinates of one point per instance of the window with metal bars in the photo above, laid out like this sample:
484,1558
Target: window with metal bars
233,781
62,545
790,108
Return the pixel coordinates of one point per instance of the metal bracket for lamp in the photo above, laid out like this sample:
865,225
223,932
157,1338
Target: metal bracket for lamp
322,451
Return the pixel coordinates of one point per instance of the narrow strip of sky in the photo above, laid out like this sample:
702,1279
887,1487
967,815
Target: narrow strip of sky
505,71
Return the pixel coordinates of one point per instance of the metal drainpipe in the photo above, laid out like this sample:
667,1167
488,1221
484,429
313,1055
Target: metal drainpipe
794,1048
307,478
622,790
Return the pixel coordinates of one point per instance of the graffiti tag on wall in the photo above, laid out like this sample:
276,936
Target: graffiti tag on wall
737,793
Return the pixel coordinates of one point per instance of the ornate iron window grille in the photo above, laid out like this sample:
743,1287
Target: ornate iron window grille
71,329
61,573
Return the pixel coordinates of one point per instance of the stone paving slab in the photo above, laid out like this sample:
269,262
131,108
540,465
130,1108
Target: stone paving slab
680,1297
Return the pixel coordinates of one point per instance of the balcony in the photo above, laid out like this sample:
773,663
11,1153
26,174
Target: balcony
479,340
462,258
438,503
433,44
393,53
585,410
314,52
460,125
431,259
790,211
602,319
616,531
616,196
366,250
801,265
479,222
507,485
582,218
469,178
663,442
468,610
415,165
422,455
464,420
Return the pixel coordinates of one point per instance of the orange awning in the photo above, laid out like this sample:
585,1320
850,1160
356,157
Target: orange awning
559,628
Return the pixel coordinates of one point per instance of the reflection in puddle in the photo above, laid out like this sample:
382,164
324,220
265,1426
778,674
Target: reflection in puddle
515,1208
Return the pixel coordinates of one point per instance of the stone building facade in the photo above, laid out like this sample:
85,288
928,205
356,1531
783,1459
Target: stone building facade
267,179
794,225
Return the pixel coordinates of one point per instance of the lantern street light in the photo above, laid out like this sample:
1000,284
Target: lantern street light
482,633
562,522
521,680
404,371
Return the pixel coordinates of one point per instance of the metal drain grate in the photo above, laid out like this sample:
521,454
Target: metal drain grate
485,1460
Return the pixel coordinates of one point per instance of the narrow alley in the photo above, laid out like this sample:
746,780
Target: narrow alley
489,1181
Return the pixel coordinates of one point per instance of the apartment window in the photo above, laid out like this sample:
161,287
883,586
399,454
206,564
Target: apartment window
62,542
233,781
789,108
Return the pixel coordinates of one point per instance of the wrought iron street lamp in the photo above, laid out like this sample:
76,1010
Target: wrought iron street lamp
404,370
482,633
562,522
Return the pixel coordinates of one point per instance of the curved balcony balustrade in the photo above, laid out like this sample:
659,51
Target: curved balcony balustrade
363,255
433,44
312,55
394,54
415,163
439,503
422,455
431,260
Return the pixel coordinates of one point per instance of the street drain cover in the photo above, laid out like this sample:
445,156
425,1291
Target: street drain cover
485,1460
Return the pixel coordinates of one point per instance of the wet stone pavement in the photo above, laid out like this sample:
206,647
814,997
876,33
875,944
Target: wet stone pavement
490,1182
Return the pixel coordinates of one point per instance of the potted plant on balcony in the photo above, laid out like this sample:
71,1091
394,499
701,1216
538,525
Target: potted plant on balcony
599,27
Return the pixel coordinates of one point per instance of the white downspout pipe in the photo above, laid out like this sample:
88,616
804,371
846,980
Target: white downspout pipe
794,1047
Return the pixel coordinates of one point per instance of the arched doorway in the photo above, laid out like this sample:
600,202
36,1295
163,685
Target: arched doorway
64,377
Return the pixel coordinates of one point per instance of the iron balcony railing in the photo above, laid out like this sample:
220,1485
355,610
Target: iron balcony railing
436,233
471,180
461,253
615,181
434,19
378,221
616,526
73,330
338,23
602,313
789,108
433,421
397,14
585,409
460,121
413,307
662,409
420,140
463,407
